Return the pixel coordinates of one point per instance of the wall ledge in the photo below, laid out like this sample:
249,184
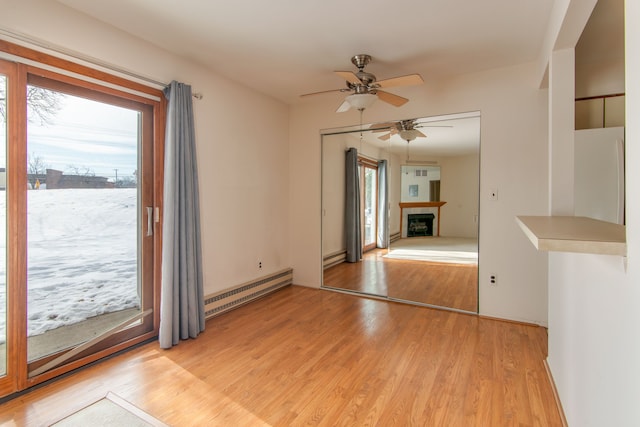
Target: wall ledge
574,234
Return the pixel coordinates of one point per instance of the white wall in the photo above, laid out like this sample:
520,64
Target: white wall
242,141
513,160
460,189
333,193
597,79
395,190
599,57
594,321
408,177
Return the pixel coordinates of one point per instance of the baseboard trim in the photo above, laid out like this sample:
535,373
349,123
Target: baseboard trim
519,322
556,396
334,258
229,299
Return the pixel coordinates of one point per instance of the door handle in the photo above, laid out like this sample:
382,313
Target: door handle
149,221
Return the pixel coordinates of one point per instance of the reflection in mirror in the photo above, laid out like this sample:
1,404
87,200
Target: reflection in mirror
420,183
400,216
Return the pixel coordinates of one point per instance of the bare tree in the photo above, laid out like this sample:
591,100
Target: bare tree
42,104
35,166
80,170
127,181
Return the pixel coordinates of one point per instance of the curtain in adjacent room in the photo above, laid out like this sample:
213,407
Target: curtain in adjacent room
182,298
352,207
382,240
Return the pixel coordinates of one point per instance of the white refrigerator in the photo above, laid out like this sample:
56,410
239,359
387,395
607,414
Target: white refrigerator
599,174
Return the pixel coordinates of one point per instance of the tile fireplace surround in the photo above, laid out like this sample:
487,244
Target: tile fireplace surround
411,205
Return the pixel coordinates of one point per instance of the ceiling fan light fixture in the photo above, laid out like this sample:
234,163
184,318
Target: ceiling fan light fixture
408,134
361,101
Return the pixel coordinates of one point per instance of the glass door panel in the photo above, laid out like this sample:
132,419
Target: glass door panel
83,220
370,208
3,225
77,222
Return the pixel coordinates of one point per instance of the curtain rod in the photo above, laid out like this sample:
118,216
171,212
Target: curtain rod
85,58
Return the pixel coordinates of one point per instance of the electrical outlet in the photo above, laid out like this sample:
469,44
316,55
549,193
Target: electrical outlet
493,194
493,279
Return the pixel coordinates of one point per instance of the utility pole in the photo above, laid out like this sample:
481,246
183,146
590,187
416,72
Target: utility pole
116,176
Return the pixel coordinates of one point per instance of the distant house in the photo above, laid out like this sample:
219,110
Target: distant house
55,179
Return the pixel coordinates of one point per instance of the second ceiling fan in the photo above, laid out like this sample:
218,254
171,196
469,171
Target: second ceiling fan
366,89
406,129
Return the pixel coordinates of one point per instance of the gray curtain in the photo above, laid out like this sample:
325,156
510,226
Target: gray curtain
352,207
382,240
182,298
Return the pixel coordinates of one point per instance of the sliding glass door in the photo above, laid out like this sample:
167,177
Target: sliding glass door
369,208
84,201
81,176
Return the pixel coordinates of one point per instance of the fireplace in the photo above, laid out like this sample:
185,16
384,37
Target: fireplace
420,224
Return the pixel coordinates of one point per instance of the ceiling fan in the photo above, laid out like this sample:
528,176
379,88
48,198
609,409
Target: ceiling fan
366,89
407,129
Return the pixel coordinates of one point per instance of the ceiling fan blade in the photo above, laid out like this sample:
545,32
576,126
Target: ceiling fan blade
349,76
390,98
425,125
345,106
382,127
410,80
385,137
323,91
420,134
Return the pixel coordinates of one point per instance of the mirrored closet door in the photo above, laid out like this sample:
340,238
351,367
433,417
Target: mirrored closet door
408,231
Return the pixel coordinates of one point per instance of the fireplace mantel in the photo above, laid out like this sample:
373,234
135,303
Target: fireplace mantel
404,205
408,205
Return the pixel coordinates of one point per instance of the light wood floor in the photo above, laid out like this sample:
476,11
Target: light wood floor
442,284
307,356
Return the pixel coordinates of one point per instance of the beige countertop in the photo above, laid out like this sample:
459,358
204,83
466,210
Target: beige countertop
574,234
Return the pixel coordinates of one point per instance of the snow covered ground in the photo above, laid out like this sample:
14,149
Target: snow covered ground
81,256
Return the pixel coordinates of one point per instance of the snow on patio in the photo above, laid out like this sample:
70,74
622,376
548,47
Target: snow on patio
81,256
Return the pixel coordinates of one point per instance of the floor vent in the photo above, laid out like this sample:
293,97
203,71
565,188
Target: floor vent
226,300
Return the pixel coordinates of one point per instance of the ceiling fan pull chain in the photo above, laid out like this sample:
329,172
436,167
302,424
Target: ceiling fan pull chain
361,113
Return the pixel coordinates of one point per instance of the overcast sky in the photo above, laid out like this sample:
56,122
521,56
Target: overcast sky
87,135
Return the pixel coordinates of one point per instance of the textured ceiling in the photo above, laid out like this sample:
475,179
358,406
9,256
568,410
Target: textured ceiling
285,48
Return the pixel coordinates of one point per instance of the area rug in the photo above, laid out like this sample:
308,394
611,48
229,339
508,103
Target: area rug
435,249
111,410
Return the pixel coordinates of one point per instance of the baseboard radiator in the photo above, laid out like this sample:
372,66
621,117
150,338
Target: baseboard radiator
334,259
394,237
229,299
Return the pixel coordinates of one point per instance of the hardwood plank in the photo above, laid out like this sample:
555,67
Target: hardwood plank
442,284
307,356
